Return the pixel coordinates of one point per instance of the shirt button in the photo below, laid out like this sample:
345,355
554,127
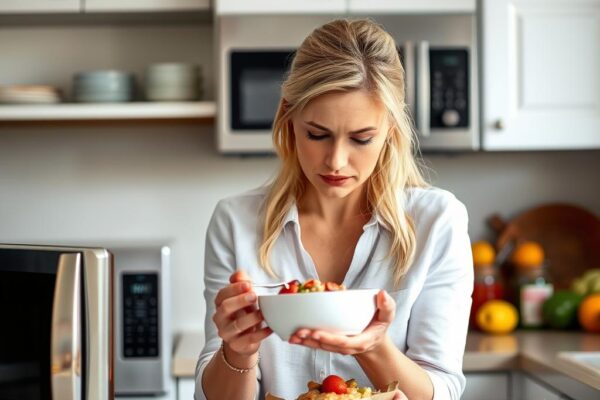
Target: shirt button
322,375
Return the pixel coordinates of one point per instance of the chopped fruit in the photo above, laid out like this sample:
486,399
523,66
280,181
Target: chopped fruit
293,287
334,384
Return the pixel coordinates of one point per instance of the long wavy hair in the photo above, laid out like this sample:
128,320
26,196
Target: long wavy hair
341,56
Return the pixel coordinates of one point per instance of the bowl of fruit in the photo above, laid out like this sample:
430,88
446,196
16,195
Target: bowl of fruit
318,305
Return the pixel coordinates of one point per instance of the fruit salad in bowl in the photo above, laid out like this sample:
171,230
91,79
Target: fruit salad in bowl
318,306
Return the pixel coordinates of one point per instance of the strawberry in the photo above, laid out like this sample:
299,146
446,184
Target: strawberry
334,384
292,287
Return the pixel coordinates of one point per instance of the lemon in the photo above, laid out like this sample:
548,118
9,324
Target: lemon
497,316
483,253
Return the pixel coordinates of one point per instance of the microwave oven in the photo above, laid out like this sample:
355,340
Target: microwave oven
84,323
438,53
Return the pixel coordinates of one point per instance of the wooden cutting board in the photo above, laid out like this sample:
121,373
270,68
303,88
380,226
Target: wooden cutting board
569,234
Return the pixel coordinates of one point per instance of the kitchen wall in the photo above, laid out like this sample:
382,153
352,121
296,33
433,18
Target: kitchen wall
117,185
131,185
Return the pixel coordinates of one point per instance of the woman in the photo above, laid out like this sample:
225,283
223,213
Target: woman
349,205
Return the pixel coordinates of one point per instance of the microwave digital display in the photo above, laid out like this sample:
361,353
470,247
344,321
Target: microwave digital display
140,315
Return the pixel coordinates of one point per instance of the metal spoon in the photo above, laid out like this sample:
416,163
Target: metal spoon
271,285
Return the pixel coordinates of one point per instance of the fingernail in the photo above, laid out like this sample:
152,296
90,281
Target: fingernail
294,340
250,297
302,335
316,336
244,286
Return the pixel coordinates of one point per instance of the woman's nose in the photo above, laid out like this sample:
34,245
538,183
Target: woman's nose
337,157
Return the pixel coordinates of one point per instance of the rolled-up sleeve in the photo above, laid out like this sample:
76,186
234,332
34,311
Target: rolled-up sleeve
438,323
219,264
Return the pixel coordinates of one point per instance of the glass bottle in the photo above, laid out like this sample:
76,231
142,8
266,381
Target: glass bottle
487,286
534,287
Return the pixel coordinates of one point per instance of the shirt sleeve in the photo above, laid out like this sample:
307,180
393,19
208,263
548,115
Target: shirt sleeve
438,324
219,264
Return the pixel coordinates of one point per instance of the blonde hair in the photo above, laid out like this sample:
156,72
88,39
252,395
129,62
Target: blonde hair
341,56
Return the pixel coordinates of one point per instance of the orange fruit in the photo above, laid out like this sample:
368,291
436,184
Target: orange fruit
589,313
483,253
528,255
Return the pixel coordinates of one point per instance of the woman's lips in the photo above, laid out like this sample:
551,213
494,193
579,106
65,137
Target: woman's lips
334,180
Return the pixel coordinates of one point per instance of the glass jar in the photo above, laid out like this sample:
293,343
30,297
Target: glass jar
534,288
487,286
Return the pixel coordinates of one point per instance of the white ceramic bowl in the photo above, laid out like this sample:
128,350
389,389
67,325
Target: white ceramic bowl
347,312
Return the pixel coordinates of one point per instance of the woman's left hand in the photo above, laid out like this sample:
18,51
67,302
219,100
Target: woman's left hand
366,341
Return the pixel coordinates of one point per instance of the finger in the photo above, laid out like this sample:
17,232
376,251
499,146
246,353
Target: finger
230,306
240,325
239,276
230,291
253,338
314,344
386,307
302,333
332,339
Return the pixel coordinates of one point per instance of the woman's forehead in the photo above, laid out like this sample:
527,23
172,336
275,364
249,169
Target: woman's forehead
344,108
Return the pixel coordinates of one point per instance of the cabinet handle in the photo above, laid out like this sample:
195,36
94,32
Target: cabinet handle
499,124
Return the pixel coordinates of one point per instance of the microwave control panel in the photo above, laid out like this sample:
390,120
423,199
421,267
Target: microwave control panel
140,315
449,88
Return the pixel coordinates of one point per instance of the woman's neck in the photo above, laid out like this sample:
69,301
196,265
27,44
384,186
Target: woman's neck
334,211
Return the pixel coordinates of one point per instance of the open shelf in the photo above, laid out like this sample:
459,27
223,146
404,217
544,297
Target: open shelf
199,111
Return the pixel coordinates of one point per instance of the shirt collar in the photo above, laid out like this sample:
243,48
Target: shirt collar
292,216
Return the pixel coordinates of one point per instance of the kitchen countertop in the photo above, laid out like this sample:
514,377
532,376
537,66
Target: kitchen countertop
535,352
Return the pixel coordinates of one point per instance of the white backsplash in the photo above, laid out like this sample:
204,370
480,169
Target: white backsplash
159,184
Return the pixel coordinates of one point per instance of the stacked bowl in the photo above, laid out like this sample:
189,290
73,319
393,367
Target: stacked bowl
173,82
103,86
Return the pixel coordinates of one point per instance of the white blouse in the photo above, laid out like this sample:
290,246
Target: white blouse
432,303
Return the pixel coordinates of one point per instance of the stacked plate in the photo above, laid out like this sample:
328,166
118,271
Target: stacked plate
173,82
29,94
103,86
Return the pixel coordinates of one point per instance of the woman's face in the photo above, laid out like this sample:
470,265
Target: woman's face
339,137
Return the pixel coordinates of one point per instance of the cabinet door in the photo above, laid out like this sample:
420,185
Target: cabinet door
531,389
185,389
224,7
39,6
541,72
479,386
410,6
144,5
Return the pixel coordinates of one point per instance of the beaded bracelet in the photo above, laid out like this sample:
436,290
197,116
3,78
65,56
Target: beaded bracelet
231,367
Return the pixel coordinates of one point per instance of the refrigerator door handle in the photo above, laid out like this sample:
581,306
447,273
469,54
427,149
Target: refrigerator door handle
65,368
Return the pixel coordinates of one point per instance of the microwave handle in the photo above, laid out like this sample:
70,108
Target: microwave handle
423,89
408,50
65,368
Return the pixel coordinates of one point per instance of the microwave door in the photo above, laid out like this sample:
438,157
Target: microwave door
66,330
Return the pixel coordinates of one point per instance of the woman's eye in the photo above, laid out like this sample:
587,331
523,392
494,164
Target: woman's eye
363,141
312,136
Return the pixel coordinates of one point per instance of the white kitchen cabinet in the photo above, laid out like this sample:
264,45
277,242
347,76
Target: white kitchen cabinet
411,6
233,7
526,388
479,384
144,5
39,6
541,74
185,388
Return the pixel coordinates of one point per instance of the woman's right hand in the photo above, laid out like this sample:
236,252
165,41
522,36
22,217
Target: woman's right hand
237,318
